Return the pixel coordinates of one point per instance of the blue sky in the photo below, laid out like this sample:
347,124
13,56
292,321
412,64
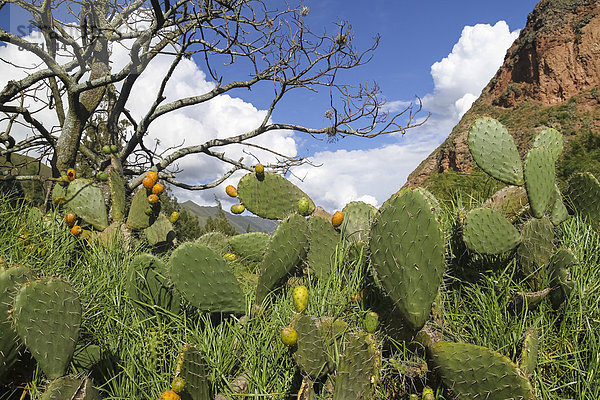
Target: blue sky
445,52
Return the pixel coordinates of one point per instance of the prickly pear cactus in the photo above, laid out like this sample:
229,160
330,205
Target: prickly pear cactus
47,318
536,248
192,368
250,246
529,352
148,285
486,231
217,241
357,220
510,201
323,243
539,173
477,372
288,246
310,354
560,277
117,195
272,197
558,210
408,255
138,218
495,152
69,388
160,232
584,192
205,280
358,368
11,280
552,140
85,199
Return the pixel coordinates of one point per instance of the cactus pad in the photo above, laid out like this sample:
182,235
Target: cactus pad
357,220
539,173
323,243
117,195
272,197
408,255
69,388
85,199
250,246
288,246
217,241
147,284
192,368
160,232
47,317
584,193
495,152
137,219
557,209
510,201
552,140
310,354
529,352
536,248
477,372
560,279
357,368
486,231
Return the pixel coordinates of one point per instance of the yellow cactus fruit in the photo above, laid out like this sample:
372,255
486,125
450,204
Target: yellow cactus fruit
230,256
289,336
337,218
71,175
169,395
231,191
259,169
237,208
174,217
300,296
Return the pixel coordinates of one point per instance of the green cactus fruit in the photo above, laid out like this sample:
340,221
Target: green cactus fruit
584,192
205,279
137,219
539,173
428,394
273,197
408,254
237,209
552,140
303,206
558,210
114,148
250,246
310,354
413,396
101,176
323,243
85,199
300,296
560,280
118,201
495,152
11,280
69,388
529,352
357,370
536,248
161,232
217,241
148,285
486,231
510,201
289,336
106,149
149,211
357,220
178,384
193,369
473,372
47,318
371,321
288,246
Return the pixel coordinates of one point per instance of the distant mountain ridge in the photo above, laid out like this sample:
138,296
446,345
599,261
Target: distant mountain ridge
239,222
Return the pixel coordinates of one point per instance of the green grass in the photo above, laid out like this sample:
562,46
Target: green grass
139,350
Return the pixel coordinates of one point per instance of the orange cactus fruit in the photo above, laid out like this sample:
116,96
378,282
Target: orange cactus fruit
76,230
152,175
71,175
148,183
158,188
153,199
337,219
70,219
169,395
231,191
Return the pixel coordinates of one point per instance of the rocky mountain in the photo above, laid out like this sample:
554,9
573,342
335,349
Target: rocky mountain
550,78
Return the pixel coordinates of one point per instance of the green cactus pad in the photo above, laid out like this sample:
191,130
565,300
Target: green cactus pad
558,210
117,195
192,368
137,219
477,372
495,152
560,279
47,318
357,368
552,140
357,220
323,243
510,201
528,300
273,197
148,286
536,248
11,280
205,280
69,388
539,173
160,232
408,255
584,194
250,246
310,354
529,352
85,199
217,241
486,231
288,246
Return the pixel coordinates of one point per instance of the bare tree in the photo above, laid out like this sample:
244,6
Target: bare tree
76,79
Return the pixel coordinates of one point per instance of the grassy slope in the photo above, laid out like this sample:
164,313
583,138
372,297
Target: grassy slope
142,351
